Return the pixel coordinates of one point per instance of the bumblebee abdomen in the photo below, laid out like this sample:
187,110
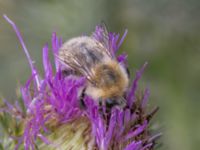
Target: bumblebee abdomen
106,76
111,79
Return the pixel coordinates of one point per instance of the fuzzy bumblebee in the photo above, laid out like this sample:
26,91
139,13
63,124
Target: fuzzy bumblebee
107,79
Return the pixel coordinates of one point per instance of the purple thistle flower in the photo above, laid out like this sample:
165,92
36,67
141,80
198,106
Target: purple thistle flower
51,104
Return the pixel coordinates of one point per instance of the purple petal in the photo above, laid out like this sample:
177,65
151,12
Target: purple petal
26,97
9,106
131,94
46,62
44,139
122,39
127,116
56,43
146,146
113,39
134,146
136,132
122,58
111,127
120,121
153,138
34,71
145,98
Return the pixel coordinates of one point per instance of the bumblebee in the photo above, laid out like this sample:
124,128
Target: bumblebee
107,79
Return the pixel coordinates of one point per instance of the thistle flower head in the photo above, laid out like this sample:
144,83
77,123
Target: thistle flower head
53,118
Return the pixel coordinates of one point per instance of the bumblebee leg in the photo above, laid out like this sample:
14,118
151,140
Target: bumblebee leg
101,106
81,100
109,105
100,103
102,109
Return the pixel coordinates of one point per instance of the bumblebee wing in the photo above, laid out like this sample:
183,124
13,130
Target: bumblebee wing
75,63
101,34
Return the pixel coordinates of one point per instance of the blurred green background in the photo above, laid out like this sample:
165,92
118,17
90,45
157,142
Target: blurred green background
166,33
